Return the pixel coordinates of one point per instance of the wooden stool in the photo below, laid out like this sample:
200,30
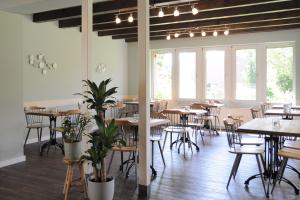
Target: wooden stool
69,182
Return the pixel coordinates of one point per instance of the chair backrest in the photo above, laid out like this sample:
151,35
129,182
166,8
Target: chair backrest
265,106
233,137
127,132
33,119
72,115
174,117
198,106
255,113
115,111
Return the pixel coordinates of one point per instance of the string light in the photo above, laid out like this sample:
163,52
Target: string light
118,20
169,37
130,18
176,12
191,34
203,33
226,32
176,35
161,13
194,10
215,33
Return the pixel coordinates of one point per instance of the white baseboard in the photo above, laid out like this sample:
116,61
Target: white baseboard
44,138
12,161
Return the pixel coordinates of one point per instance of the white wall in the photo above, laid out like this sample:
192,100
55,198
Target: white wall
11,109
251,38
21,84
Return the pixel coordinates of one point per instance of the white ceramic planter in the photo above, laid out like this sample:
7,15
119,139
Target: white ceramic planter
72,150
101,191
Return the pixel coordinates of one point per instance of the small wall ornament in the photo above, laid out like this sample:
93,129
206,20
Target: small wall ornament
101,68
40,62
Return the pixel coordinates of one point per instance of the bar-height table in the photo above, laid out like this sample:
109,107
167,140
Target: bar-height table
52,127
273,136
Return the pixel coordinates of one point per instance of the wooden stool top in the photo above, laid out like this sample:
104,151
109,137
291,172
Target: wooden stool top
71,162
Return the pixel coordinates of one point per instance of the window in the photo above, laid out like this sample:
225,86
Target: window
215,63
187,75
162,75
279,74
245,63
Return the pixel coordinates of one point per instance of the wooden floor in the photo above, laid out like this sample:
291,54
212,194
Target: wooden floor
201,175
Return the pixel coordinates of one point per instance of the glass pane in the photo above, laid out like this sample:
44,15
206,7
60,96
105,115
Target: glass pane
215,63
162,76
245,74
279,74
187,75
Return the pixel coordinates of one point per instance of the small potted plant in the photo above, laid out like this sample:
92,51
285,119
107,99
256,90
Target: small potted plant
72,135
100,186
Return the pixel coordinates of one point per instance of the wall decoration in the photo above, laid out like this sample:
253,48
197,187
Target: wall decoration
40,62
101,68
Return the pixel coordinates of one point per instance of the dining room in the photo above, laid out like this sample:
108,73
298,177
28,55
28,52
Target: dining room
152,99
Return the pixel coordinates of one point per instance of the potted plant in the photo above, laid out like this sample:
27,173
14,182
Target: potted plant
72,135
100,186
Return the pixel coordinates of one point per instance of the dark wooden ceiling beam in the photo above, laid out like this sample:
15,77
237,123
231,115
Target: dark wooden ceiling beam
270,23
250,30
209,15
212,5
100,7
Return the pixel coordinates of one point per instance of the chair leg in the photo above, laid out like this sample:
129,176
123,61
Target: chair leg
161,153
152,153
237,165
166,134
232,170
26,137
261,174
110,162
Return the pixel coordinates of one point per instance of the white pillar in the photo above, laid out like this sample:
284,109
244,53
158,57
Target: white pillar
144,107
86,38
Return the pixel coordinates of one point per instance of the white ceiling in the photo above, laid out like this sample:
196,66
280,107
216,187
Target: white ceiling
34,6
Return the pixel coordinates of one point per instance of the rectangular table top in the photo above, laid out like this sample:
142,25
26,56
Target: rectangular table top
280,112
153,122
136,103
280,106
187,112
265,126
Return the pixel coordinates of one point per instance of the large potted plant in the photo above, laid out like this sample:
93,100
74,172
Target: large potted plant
72,135
98,97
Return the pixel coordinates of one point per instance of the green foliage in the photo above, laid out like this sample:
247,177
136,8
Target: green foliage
269,93
99,98
251,73
73,132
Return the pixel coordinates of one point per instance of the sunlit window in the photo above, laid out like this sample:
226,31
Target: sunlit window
215,63
162,76
187,75
279,74
245,74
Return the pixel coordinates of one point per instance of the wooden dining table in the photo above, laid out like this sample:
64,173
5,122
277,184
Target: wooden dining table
52,114
273,141
280,106
282,113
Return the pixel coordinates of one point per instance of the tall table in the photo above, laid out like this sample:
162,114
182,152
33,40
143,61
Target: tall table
52,128
284,115
273,136
153,123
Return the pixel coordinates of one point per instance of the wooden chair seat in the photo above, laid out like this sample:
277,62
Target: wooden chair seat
37,126
252,141
125,148
289,153
58,129
292,144
175,129
246,150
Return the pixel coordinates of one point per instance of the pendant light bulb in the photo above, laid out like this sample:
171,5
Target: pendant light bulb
215,33
169,37
161,13
203,33
191,34
194,10
130,18
176,12
118,20
176,35
226,32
